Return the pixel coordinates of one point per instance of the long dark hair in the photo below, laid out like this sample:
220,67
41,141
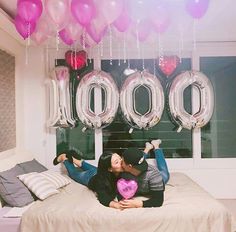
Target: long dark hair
104,176
104,163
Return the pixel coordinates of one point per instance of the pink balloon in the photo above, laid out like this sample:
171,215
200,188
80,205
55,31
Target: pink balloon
38,37
29,10
123,22
138,9
83,11
97,29
197,8
74,29
24,28
160,17
42,31
127,188
87,41
65,37
58,11
141,30
111,9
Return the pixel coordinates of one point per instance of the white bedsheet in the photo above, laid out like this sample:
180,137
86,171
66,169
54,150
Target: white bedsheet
187,208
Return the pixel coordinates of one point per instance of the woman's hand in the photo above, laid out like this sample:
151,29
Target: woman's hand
132,203
115,205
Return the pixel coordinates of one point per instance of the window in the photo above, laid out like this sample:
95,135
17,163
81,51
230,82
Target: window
218,137
75,138
116,136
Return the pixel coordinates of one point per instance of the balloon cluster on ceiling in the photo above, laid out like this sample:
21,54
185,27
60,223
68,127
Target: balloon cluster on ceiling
87,21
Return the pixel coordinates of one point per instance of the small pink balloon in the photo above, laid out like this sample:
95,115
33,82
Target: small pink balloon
197,8
42,31
127,188
138,10
111,9
29,10
65,37
24,28
39,37
123,22
141,30
58,11
159,17
97,29
83,11
74,29
86,41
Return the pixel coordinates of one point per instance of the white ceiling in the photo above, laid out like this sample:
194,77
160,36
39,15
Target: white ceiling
219,23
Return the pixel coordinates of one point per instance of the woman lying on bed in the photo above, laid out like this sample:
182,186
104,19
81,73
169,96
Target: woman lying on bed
102,180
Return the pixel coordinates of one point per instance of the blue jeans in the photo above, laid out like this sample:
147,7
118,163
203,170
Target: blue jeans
161,164
81,176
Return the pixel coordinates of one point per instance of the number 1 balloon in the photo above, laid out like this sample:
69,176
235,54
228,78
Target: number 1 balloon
60,114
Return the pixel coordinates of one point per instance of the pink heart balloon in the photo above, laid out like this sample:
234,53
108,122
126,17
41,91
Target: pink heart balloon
76,60
127,188
168,64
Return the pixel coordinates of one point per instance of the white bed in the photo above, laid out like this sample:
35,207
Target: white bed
187,208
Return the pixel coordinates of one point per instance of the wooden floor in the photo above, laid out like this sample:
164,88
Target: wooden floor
230,205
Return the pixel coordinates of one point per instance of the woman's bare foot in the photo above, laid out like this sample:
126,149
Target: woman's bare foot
148,147
61,158
77,162
156,143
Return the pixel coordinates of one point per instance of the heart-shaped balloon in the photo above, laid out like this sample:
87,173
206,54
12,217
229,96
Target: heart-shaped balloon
168,64
76,60
127,188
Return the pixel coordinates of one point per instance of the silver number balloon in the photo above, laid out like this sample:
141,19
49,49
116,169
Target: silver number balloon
156,100
60,114
176,100
96,120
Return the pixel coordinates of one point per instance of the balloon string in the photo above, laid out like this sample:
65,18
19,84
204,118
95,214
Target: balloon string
124,48
160,50
75,58
118,54
143,61
194,34
28,33
47,57
181,45
137,41
57,40
26,54
110,40
27,44
101,48
89,53
86,58
154,67
83,38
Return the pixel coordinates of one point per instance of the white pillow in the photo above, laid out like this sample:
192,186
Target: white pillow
38,184
56,178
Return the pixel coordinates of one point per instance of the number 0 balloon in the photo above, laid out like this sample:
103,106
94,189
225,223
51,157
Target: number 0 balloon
176,100
87,116
156,100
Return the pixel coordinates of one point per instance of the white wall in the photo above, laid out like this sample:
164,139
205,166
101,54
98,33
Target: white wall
216,176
